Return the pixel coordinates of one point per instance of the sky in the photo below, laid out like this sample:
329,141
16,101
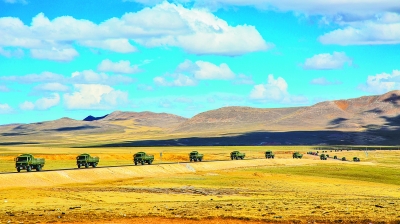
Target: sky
74,58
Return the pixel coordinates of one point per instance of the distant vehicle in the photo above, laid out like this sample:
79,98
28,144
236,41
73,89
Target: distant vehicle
334,157
142,157
297,155
28,162
269,154
323,157
86,160
356,159
343,158
195,156
237,155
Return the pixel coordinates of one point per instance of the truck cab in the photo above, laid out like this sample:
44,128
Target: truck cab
28,162
195,156
86,160
237,155
142,158
269,154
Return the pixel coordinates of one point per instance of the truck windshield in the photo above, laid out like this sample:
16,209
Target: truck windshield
22,159
81,157
138,155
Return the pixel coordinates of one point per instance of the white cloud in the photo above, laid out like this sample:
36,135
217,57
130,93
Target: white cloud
175,80
52,81
11,53
208,70
42,103
95,96
116,45
92,77
275,90
5,109
52,87
327,61
324,82
67,54
202,70
16,1
197,31
123,67
382,83
4,88
310,7
381,29
34,78
27,105
47,102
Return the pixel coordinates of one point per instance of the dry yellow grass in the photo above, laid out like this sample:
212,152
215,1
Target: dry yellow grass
279,190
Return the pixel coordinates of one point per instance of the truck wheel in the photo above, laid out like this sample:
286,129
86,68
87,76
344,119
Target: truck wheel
86,165
236,158
231,158
79,166
150,162
191,160
29,169
200,159
94,165
18,169
242,158
135,163
38,168
142,162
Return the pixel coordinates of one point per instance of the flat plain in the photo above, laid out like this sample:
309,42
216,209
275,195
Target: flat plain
218,190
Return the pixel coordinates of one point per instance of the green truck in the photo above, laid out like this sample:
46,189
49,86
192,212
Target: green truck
195,156
142,157
323,157
237,155
86,160
28,162
297,155
269,154
356,159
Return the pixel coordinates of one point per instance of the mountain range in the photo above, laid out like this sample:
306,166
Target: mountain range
367,120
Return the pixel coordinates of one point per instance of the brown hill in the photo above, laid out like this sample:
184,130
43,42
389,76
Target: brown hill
162,120
363,120
351,115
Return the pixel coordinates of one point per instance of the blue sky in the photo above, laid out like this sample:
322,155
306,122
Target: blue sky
70,58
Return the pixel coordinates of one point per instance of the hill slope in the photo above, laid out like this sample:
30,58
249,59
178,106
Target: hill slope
345,115
363,120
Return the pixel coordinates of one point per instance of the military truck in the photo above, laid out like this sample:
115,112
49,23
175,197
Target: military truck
323,157
237,155
86,160
269,154
297,155
142,157
343,158
28,162
195,156
356,159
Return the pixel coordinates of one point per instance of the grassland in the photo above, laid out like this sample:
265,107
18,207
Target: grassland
251,191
